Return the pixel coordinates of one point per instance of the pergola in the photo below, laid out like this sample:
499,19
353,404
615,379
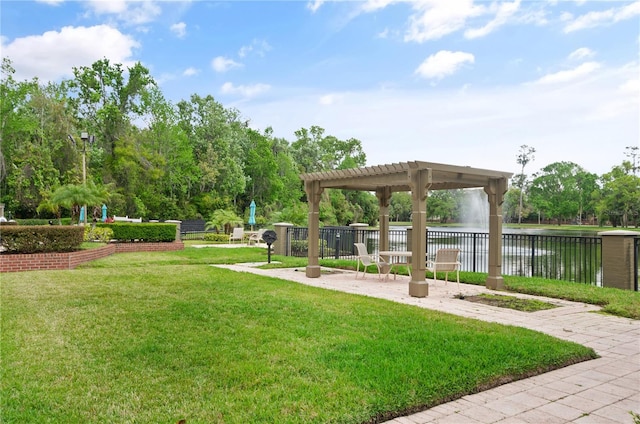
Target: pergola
418,178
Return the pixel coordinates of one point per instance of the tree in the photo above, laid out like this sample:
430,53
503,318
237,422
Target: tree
559,192
217,142
632,152
170,167
400,206
107,102
313,151
71,196
525,155
261,169
619,199
443,204
223,219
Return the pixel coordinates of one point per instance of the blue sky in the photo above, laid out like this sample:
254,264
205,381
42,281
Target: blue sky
452,81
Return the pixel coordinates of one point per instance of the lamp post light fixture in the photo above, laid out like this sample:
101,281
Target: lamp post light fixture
90,138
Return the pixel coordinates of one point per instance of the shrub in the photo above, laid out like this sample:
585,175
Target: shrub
39,239
124,231
55,221
216,237
301,247
94,233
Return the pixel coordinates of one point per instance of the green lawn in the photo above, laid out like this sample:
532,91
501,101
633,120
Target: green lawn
159,337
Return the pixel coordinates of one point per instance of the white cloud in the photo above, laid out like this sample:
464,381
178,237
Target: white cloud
258,47
329,99
134,12
52,55
383,34
631,86
581,53
179,29
443,63
314,5
223,64
434,19
246,91
503,14
373,5
190,72
605,17
51,2
570,74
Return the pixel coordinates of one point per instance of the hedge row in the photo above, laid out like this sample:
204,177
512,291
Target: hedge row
67,238
41,239
125,231
37,221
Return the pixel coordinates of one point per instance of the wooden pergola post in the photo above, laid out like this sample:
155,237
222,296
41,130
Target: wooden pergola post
419,181
313,198
495,195
384,196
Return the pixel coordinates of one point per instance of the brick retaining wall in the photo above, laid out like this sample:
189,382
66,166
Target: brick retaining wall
70,260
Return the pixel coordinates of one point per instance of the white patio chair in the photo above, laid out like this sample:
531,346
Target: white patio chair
238,234
447,260
367,259
256,237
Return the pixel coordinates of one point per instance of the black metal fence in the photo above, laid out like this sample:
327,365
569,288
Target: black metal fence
570,258
194,235
637,262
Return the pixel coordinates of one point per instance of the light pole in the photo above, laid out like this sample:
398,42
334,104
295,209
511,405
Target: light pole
90,138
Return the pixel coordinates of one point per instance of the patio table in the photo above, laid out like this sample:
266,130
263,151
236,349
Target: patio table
396,258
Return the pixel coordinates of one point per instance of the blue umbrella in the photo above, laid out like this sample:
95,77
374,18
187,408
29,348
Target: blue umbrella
81,218
252,214
104,213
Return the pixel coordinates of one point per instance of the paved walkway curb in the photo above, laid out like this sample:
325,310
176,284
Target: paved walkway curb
601,391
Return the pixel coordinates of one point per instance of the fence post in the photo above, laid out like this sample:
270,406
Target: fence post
409,236
174,221
475,250
282,246
532,242
618,259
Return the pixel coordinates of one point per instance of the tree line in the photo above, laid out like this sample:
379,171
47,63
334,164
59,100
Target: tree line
145,156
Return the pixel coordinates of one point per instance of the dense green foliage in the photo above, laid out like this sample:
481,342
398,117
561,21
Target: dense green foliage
96,233
143,232
154,159
107,343
37,239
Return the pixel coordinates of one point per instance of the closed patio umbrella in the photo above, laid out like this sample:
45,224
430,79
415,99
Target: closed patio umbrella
252,214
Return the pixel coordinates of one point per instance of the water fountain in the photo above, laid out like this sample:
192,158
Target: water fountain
475,210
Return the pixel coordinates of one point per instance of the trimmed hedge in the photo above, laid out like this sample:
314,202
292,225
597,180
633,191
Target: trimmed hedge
217,237
38,221
41,238
128,232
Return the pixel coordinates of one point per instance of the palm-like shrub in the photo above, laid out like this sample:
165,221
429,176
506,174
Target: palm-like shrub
223,219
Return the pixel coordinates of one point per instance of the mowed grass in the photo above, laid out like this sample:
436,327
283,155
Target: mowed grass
155,338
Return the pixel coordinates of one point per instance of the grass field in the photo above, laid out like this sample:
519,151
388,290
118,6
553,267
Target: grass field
152,338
